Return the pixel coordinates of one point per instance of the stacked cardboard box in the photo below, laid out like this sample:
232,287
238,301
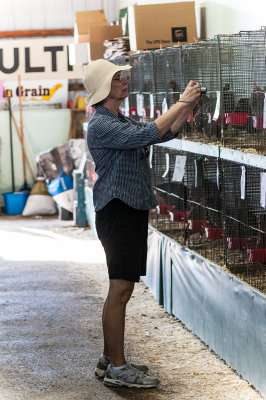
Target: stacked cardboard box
161,25
90,31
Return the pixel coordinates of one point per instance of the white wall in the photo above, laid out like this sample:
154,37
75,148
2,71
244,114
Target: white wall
220,16
49,14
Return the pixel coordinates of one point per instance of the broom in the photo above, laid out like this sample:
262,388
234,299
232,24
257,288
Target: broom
25,187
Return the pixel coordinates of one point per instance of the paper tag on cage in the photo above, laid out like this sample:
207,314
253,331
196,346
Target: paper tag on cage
218,176
263,189
217,107
264,112
140,104
150,156
180,163
151,106
167,165
126,104
164,106
243,183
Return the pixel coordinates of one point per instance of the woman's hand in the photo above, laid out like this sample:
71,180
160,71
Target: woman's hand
192,93
175,117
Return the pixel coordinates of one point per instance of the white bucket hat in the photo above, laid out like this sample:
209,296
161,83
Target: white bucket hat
98,77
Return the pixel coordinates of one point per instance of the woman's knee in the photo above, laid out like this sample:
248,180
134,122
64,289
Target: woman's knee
121,290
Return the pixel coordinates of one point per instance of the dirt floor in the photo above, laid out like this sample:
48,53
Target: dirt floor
53,282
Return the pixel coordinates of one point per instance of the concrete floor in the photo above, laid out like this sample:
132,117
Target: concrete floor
52,284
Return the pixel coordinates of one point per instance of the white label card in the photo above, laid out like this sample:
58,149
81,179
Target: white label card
150,156
151,106
180,163
164,106
167,165
243,183
217,108
140,104
263,189
126,107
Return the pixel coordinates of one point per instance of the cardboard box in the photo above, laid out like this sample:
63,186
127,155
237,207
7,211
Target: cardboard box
161,25
100,33
84,21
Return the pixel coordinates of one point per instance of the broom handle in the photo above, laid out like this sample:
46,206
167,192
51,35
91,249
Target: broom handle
21,128
23,149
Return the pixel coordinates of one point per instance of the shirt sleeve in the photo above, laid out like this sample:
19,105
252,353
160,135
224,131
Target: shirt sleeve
166,137
115,134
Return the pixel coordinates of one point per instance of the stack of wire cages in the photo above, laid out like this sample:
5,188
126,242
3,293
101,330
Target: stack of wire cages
245,222
170,216
200,63
203,181
146,97
243,88
124,60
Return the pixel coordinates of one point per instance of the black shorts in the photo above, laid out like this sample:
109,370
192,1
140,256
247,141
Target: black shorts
123,231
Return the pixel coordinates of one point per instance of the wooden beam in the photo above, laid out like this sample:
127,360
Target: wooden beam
35,33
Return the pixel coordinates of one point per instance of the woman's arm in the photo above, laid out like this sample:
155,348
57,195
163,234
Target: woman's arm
176,116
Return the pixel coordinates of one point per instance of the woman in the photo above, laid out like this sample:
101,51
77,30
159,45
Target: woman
122,198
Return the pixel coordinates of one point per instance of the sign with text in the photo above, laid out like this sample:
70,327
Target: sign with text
38,92
37,59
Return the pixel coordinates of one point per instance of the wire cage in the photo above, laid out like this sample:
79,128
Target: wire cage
203,181
170,216
135,84
243,88
147,86
173,74
160,78
245,223
200,63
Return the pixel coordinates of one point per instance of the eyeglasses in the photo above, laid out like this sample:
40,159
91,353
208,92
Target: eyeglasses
119,78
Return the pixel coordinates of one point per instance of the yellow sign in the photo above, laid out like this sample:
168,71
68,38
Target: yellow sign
34,92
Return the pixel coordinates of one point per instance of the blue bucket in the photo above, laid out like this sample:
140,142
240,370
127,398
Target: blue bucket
15,202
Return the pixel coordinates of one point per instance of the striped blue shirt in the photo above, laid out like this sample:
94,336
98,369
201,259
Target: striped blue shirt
116,145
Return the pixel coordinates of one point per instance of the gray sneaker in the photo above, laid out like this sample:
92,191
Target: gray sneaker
105,361
129,376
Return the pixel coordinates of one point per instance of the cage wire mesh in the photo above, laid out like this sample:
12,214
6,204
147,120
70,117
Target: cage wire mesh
244,223
160,78
170,216
204,207
147,86
200,63
135,84
243,87
173,64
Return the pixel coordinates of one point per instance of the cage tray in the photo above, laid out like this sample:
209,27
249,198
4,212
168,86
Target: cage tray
236,118
163,209
197,224
237,243
178,216
214,233
257,255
